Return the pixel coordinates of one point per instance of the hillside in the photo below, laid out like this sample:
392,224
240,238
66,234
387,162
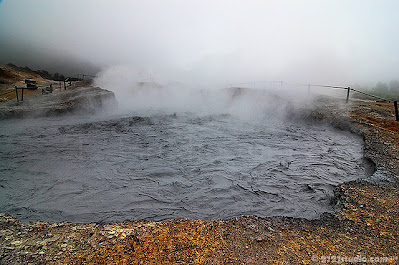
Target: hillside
79,95
10,77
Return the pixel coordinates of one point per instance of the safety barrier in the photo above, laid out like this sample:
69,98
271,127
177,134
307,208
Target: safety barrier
347,88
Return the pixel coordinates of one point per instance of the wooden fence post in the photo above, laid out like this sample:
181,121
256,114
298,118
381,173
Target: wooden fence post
347,95
395,103
16,92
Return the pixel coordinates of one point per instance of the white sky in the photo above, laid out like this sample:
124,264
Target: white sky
217,41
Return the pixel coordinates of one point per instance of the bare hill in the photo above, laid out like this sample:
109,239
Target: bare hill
11,77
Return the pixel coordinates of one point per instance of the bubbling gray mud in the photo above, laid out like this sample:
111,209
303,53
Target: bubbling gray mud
159,166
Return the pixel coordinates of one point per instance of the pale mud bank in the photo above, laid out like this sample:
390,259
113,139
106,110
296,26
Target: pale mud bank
81,97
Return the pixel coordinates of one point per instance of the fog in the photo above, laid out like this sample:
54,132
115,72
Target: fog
204,44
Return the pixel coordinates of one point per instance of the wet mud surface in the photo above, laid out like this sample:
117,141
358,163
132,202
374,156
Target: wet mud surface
183,165
365,225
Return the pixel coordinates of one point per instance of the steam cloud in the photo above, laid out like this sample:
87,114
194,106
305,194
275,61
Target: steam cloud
203,44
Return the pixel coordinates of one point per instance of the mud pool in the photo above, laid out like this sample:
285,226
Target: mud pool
158,166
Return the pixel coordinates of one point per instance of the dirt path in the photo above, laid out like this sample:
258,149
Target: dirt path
366,228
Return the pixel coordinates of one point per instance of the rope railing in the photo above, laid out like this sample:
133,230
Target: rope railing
327,86
373,96
12,91
315,85
348,89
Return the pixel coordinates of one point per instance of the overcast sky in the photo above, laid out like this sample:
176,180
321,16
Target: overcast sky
217,41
